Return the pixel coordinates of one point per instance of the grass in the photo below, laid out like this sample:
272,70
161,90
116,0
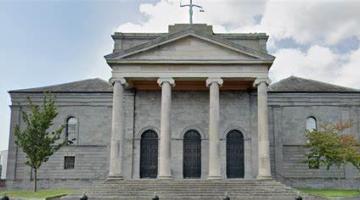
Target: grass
41,194
331,192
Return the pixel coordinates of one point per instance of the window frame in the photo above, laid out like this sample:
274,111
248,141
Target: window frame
74,140
314,120
70,166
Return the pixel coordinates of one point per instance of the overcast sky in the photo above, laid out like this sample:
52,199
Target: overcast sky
50,42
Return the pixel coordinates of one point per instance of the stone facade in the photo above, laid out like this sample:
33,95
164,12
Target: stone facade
288,112
93,110
165,83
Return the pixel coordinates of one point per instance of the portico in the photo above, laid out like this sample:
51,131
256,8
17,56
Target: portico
191,60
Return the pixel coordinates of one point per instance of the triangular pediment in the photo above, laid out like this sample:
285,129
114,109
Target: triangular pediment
191,48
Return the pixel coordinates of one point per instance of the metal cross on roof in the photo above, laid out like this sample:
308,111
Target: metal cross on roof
191,5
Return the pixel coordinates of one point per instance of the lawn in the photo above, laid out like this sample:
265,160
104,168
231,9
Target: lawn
331,192
41,194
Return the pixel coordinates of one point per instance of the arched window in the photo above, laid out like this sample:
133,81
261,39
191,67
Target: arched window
192,154
71,133
235,167
149,154
311,124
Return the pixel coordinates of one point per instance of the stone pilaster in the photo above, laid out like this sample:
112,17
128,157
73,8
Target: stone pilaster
214,119
117,130
264,170
165,131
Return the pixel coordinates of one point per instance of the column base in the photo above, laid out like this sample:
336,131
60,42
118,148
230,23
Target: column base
214,177
165,177
247,176
264,177
115,177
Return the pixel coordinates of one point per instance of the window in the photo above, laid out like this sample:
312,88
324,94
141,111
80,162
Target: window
69,162
71,129
311,124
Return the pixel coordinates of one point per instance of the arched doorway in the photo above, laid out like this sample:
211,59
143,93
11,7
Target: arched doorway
192,155
235,154
149,154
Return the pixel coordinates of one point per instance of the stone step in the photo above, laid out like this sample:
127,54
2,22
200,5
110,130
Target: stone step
195,190
188,189
244,189
180,192
189,185
194,198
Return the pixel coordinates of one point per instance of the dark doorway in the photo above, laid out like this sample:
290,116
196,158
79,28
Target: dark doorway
192,155
235,154
149,154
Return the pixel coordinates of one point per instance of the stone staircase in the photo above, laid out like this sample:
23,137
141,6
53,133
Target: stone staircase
189,189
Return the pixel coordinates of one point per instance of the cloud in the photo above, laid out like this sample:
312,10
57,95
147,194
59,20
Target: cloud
317,63
223,14
317,27
308,21
349,73
158,16
325,22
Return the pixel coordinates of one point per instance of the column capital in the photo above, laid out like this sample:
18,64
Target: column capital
122,81
211,80
261,80
169,80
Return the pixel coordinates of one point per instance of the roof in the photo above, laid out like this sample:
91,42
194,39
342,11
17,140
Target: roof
297,84
190,31
291,85
86,86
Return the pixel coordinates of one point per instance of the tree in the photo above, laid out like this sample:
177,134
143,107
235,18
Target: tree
36,141
329,146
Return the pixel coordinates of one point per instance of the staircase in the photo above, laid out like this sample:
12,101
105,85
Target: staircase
189,189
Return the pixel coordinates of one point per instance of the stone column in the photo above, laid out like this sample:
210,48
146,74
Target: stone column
264,171
117,130
165,131
214,119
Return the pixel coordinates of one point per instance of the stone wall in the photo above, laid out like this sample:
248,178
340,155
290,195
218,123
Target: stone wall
288,114
238,110
90,148
190,111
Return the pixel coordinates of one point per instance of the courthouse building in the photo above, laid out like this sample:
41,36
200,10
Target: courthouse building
187,104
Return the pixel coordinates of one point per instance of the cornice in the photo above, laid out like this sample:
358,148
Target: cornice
198,62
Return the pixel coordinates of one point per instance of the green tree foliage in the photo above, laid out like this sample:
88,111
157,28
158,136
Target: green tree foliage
329,146
35,140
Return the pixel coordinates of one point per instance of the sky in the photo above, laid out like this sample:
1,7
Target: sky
57,41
